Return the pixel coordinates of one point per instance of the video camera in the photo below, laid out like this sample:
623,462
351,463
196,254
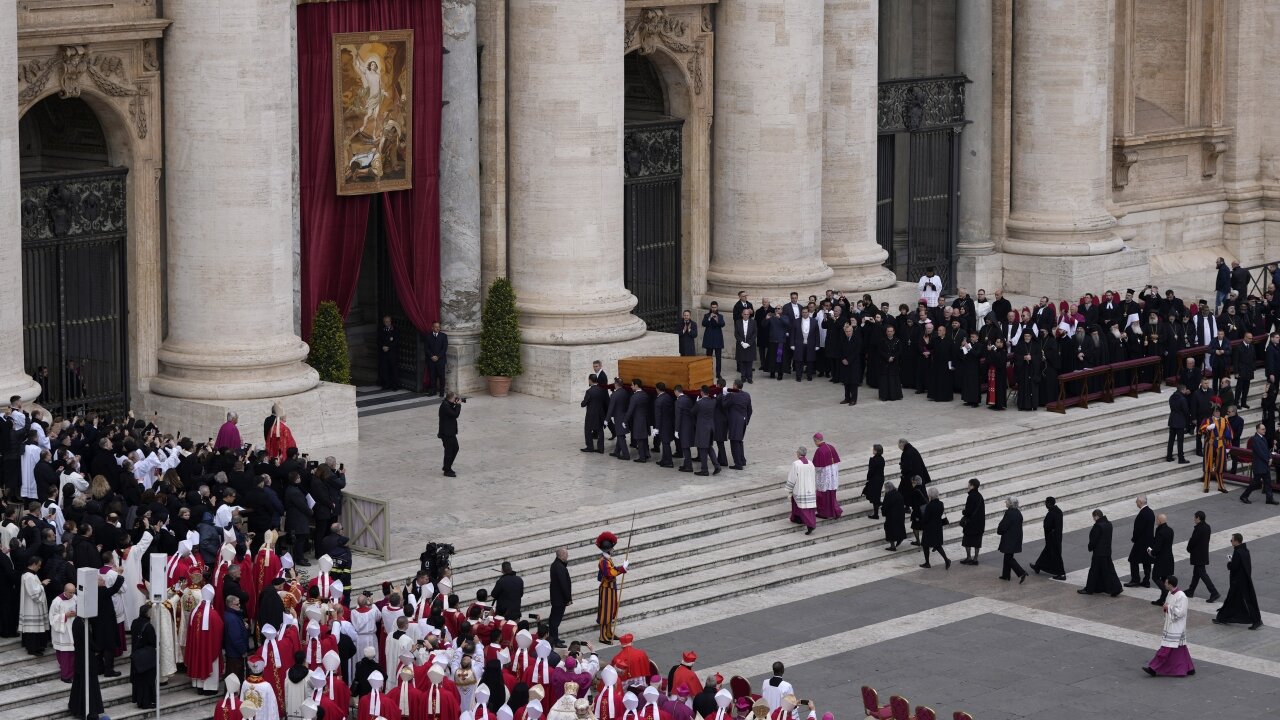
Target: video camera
435,558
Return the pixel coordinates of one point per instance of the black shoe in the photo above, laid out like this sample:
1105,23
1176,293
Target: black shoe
916,543
1059,577
450,473
1191,672
1005,578
1213,598
891,548
666,465
1184,461
947,562
1157,603
1115,594
1149,671
1133,583
873,516
1022,579
1254,626
1246,501
604,642
601,451
640,460
1216,621
586,450
1082,591
683,468
702,473
1168,459
1034,569
716,471
114,673
925,565
735,467
808,531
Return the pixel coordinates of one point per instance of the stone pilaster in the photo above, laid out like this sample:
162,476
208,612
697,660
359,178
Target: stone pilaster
565,103
1061,149
460,194
491,35
231,198
14,379
976,264
768,150
849,73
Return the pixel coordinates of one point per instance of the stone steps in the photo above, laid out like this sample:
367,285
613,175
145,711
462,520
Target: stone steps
115,700
950,461
762,521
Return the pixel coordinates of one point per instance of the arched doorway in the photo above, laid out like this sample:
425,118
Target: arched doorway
652,164
74,236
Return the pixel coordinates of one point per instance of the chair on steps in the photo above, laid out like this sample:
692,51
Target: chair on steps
871,704
961,715
924,712
901,708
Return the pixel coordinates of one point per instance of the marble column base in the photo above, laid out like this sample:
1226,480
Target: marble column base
980,271
860,278
234,373
322,417
460,372
18,383
1071,276
559,372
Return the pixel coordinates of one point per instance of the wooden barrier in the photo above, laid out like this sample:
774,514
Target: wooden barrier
368,523
1105,394
1137,368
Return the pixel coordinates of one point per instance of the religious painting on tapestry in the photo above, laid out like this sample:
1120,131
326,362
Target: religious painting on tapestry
372,111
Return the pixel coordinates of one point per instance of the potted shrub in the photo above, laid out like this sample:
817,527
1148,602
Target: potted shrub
329,345
499,359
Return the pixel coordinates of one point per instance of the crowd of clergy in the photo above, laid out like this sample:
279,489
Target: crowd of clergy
984,350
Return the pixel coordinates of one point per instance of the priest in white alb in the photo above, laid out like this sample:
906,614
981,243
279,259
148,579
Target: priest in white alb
803,490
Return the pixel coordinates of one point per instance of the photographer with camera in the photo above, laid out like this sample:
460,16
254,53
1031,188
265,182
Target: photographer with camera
448,432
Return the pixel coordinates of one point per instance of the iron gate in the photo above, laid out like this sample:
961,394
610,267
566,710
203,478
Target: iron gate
652,153
73,279
922,118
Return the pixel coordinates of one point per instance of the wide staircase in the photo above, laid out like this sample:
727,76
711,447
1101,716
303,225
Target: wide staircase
691,553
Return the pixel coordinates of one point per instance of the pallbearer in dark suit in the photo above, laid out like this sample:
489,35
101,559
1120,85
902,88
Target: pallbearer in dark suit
687,329
704,414
387,339
437,357
685,424
619,403
745,333
596,401
597,372
742,304
638,420
804,344
737,408
561,593
664,419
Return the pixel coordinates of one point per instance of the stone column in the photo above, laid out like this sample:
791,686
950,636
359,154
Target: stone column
976,264
14,380
565,100
768,150
1061,149
231,190
460,194
850,76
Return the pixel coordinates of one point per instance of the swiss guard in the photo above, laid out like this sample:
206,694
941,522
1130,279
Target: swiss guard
607,572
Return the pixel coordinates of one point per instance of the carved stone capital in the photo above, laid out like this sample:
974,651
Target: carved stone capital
653,27
75,69
1123,160
1212,149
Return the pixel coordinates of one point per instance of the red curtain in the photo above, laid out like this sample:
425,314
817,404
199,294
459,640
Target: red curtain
334,227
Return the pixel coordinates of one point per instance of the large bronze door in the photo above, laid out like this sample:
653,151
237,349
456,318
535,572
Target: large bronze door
920,120
652,153
73,280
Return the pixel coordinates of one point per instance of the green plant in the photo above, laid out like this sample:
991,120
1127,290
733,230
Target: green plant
500,333
329,345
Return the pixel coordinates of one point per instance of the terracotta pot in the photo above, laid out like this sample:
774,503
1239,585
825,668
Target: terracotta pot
499,386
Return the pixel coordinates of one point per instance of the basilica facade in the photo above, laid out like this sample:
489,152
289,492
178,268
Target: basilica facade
618,160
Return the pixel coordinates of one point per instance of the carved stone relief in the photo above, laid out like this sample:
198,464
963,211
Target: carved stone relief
653,27
75,67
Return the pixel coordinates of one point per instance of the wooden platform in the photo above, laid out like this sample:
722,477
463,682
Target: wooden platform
688,371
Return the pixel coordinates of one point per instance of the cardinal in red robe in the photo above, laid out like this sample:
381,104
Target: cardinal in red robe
266,564
315,647
277,655
441,703
375,703
203,654
335,688
279,439
410,701
229,707
635,660
320,696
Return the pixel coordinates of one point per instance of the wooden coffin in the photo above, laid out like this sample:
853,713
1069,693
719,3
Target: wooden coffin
689,371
